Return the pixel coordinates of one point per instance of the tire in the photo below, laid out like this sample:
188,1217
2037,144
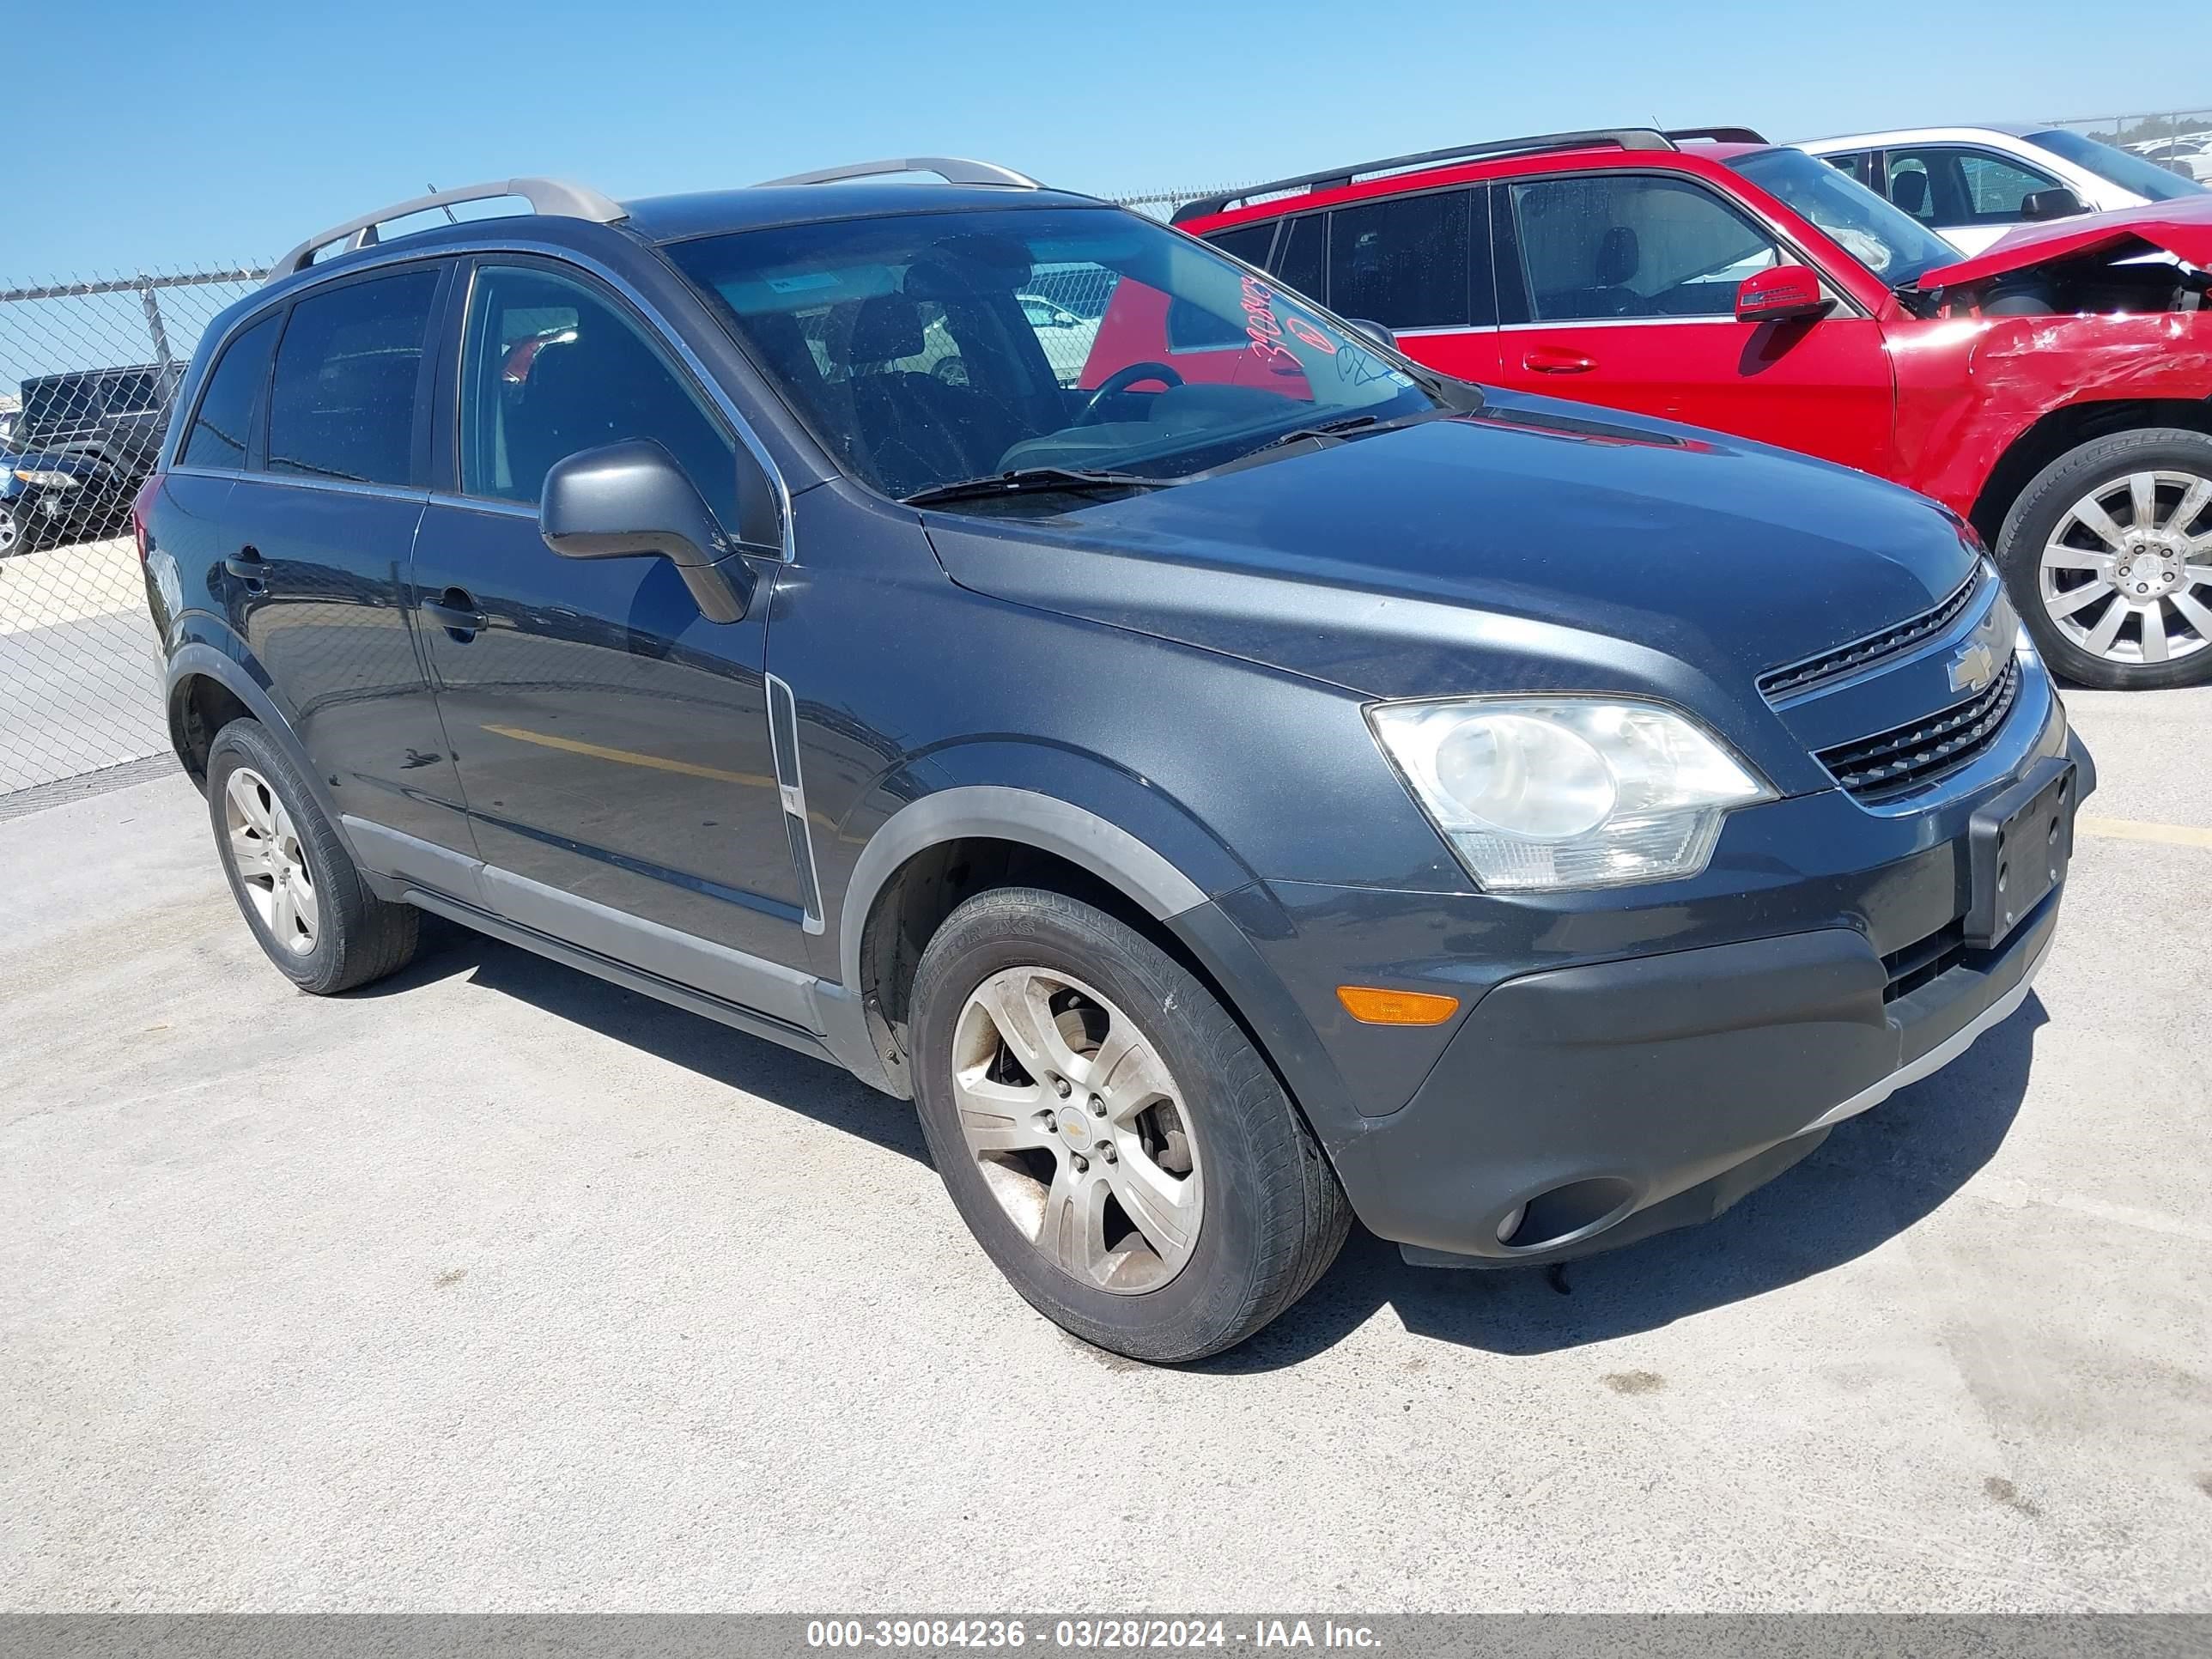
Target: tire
272,838
2150,623
17,530
1196,1113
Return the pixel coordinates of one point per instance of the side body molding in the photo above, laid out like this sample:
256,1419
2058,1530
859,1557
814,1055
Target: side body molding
990,810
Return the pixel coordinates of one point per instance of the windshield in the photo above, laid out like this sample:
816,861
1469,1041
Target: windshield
928,348
2107,161
1886,240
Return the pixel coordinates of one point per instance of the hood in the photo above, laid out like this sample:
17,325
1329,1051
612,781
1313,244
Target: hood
1532,546
2182,229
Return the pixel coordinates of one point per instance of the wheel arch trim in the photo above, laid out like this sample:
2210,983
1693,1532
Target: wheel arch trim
997,812
202,659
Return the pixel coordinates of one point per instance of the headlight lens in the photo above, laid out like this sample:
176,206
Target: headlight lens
1546,793
47,477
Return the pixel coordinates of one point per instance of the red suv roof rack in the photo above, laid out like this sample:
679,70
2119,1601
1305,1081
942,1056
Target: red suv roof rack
1336,178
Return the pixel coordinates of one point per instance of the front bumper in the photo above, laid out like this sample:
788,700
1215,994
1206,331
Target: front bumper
1653,1093
1625,1067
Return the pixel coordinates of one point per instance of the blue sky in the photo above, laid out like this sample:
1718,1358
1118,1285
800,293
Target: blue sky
144,134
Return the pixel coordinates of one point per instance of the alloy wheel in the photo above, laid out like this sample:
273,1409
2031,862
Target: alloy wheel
1079,1129
11,531
271,864
2127,575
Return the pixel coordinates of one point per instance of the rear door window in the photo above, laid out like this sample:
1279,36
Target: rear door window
218,435
1402,262
342,405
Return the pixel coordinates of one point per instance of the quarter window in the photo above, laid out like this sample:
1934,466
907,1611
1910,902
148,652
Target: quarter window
341,405
1247,242
553,367
1859,163
217,438
1602,245
1401,262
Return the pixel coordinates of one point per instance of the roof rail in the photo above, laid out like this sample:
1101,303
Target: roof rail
953,169
1717,135
547,195
1336,178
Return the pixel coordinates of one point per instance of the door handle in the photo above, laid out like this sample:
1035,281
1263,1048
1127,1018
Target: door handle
454,612
248,566
1558,360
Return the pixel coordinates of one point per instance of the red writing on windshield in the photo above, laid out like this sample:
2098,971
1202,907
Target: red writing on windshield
1259,324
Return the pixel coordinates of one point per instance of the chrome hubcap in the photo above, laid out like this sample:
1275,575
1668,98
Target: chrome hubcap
10,532
2128,574
271,866
1079,1129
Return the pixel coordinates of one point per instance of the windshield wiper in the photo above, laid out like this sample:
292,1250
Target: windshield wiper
1324,431
1319,429
1033,481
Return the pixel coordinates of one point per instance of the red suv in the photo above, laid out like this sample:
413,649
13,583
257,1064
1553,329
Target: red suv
2053,390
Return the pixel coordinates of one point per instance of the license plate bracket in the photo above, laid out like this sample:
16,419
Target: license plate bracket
2019,845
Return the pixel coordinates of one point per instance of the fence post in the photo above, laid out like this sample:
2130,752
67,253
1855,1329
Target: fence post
153,324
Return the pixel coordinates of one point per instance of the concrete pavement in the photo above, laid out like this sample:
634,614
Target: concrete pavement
498,1288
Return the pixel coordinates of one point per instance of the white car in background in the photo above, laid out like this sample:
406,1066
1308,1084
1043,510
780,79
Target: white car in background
2190,154
1065,336
1971,185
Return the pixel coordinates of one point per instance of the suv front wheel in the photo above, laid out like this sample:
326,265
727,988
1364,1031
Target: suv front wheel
2109,555
1109,1134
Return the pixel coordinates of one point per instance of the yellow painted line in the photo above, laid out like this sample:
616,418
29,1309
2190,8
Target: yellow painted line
627,757
2172,834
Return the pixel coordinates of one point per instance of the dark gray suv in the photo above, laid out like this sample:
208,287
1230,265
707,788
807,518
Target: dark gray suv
1227,798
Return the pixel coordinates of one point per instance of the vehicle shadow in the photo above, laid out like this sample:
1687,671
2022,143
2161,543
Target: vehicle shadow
1875,1176
734,1059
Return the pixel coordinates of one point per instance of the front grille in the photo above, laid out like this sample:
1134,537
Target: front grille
1909,757
1779,682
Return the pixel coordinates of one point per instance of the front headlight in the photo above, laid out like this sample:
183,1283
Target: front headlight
1545,793
47,477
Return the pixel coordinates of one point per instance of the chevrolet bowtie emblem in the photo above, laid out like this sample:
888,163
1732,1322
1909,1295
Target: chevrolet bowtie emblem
1973,668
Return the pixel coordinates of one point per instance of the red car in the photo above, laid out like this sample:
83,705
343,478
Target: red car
2053,390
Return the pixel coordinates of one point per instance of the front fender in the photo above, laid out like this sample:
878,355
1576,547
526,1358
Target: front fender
1107,822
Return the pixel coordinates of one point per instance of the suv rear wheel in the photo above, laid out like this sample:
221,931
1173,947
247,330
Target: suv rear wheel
2109,555
299,889
1109,1134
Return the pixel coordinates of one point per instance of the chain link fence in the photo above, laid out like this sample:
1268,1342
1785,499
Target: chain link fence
88,371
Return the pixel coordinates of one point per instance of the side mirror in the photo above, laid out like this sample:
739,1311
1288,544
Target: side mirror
2056,203
1373,331
630,499
1780,293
